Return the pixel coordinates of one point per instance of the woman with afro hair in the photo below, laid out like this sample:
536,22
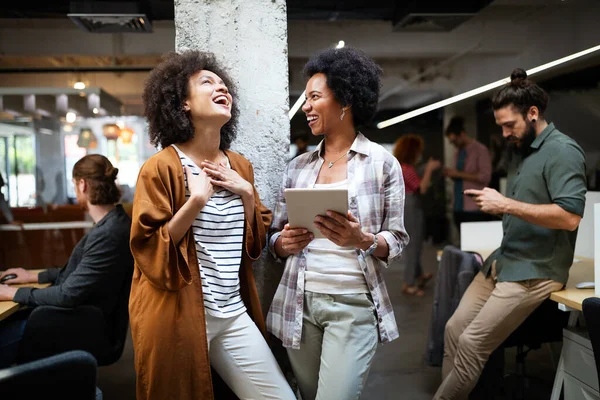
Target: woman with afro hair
198,224
332,307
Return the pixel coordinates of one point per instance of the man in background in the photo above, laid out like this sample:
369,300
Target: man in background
301,143
472,170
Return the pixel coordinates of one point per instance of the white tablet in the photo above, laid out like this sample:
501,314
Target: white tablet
303,205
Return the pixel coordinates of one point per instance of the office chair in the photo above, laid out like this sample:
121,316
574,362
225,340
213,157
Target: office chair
52,330
66,376
591,313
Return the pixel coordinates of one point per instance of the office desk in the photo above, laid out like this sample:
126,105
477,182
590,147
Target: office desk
576,368
570,296
8,308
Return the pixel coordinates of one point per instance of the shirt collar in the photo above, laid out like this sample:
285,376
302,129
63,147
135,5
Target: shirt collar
117,210
542,136
360,145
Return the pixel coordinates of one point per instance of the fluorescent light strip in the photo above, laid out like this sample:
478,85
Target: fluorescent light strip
482,89
301,99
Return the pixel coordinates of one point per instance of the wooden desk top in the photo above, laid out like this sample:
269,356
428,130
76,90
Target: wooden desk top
10,307
582,270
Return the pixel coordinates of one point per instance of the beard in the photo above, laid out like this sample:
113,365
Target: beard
81,201
523,146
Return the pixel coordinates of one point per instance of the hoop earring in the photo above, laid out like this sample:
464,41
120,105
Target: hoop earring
343,114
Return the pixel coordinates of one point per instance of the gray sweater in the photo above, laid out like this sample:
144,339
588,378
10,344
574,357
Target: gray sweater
95,273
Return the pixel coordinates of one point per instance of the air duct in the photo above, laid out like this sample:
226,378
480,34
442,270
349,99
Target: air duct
109,17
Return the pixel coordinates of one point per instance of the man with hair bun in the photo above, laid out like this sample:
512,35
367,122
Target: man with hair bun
541,213
99,266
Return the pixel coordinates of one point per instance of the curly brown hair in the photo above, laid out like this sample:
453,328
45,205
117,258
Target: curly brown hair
408,148
166,90
100,175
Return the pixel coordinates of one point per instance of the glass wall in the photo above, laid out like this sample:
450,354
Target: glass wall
17,164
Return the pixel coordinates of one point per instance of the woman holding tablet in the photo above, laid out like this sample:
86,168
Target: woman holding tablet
197,226
332,307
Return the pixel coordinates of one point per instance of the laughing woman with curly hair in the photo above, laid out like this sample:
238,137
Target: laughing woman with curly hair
332,306
198,225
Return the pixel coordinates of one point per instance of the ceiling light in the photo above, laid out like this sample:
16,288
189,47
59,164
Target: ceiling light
71,117
79,85
482,89
301,99
95,110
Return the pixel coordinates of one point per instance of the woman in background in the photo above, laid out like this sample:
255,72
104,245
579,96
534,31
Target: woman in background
409,150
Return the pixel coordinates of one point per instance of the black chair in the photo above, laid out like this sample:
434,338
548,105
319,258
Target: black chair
52,330
591,313
66,376
544,325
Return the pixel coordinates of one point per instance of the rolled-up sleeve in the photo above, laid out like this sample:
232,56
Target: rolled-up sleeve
393,230
564,173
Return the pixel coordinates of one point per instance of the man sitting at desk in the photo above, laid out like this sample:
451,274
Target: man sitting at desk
101,263
544,205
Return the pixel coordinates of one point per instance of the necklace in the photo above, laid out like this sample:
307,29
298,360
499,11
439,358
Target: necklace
333,162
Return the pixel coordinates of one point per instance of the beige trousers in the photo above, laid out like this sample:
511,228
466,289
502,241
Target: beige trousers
487,314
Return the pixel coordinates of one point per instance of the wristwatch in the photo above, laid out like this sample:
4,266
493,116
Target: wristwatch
373,247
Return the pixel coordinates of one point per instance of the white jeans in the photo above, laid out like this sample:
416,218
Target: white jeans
239,353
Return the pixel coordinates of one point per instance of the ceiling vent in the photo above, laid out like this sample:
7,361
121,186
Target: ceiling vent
109,17
431,22
440,17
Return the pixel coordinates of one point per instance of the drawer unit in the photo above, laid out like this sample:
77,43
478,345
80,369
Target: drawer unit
575,390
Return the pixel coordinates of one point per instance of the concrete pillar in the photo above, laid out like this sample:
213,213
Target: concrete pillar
250,38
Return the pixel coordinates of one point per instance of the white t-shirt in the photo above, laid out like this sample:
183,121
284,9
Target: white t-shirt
332,269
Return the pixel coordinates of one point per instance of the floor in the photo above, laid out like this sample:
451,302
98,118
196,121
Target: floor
398,371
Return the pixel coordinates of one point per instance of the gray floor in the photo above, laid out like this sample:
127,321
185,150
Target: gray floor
398,371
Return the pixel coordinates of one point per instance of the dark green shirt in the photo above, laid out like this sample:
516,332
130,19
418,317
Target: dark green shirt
552,173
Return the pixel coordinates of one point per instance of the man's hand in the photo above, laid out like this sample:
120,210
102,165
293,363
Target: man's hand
489,200
7,293
451,173
23,276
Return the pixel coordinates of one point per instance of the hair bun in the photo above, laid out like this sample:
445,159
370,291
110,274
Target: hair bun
111,173
518,74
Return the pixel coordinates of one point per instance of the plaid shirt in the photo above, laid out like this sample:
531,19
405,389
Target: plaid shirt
376,198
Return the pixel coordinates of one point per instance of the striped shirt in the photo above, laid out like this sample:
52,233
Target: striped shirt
412,181
219,233
376,198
